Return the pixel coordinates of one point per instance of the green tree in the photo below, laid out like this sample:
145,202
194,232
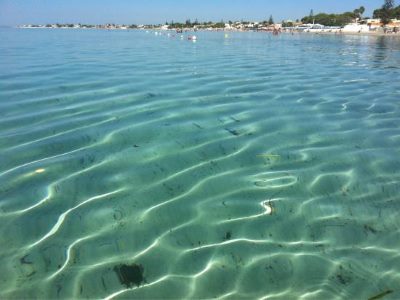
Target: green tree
330,19
271,20
311,17
389,4
387,11
356,13
287,24
362,11
396,12
219,25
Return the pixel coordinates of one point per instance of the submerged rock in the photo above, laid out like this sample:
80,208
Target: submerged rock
130,275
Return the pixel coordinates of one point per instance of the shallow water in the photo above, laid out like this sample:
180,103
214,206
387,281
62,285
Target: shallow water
249,167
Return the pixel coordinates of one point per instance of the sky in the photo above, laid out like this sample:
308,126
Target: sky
17,12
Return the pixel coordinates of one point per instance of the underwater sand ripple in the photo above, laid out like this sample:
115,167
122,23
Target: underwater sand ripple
225,168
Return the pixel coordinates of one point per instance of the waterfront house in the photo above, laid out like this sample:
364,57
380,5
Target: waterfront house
375,24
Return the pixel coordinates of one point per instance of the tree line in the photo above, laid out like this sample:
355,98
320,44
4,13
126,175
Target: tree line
387,12
334,19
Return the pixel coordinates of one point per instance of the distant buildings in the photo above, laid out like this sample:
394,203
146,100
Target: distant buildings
80,26
230,26
358,26
374,24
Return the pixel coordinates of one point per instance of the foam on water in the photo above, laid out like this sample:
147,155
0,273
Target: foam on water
250,167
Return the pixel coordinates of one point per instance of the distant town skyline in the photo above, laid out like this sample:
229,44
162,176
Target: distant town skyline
16,12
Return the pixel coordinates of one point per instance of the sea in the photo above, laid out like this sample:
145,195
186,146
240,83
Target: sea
143,165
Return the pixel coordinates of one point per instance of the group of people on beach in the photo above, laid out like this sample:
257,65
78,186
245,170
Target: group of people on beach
276,31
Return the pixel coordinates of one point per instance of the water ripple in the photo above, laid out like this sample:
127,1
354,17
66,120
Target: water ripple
223,168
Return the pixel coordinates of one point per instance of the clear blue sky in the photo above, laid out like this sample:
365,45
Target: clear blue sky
14,12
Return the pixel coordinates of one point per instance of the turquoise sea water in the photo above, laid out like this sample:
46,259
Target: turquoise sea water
251,167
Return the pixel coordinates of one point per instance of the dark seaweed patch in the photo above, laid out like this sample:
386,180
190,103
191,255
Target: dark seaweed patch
31,274
151,95
381,295
59,288
130,275
198,126
118,215
233,131
24,260
368,228
341,279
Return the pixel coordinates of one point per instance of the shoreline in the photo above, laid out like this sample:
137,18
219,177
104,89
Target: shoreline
374,34
284,31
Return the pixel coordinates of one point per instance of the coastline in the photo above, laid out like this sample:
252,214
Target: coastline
284,31
375,34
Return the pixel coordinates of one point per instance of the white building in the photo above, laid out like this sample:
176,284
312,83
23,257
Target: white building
228,26
355,28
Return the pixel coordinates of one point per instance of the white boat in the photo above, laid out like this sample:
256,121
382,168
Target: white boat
316,28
